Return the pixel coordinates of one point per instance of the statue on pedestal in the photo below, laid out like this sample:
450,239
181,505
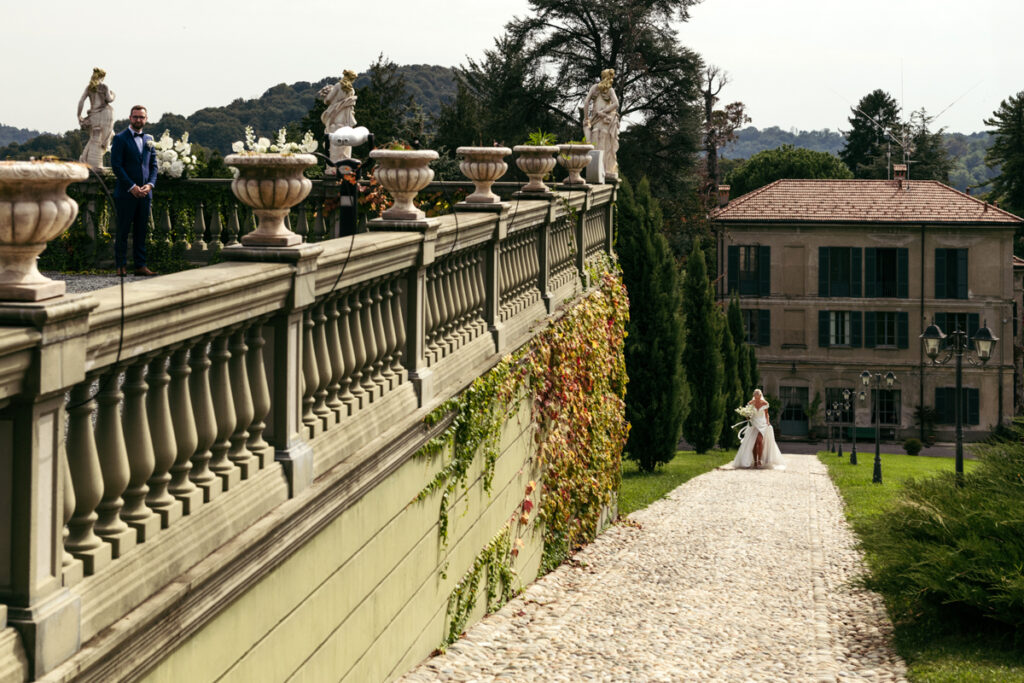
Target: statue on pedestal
340,99
601,121
99,120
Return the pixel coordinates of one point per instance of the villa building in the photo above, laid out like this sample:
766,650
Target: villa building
836,277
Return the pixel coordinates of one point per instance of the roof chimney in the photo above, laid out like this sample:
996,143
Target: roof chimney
723,195
899,174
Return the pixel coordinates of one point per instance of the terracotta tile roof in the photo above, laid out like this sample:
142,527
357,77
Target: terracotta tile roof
858,201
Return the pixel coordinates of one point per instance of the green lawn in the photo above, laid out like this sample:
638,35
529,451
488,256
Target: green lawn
640,489
932,652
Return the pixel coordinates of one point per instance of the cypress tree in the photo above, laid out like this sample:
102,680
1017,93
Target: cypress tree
655,401
702,355
739,336
755,374
732,386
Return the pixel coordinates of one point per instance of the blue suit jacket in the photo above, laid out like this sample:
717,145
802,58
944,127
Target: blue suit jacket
130,167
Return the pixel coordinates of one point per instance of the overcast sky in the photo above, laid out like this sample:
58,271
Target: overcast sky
795,63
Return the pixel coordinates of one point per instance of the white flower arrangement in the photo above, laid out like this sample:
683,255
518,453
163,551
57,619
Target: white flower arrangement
746,412
251,145
174,158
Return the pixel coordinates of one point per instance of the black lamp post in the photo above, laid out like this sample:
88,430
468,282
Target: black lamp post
984,343
837,411
828,429
851,405
876,381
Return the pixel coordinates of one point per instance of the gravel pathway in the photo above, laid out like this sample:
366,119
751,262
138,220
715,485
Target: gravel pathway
737,575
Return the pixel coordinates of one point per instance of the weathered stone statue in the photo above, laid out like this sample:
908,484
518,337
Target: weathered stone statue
341,103
601,121
99,120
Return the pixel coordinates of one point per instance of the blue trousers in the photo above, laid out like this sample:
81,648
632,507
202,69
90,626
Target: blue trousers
132,218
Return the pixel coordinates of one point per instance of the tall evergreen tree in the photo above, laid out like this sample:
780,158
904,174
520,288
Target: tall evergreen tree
1007,152
754,376
866,150
732,386
930,159
734,315
702,355
655,402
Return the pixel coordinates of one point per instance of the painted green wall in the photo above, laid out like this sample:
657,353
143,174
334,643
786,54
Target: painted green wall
365,600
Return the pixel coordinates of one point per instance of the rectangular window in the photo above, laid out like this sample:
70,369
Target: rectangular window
888,406
886,272
839,328
945,405
757,324
834,401
839,271
950,273
794,403
950,322
749,270
886,329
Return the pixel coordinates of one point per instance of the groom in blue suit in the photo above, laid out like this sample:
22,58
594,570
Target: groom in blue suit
134,163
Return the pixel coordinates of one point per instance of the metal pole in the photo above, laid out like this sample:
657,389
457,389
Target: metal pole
839,431
876,475
853,446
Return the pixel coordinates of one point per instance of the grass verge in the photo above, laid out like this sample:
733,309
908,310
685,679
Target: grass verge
934,652
640,489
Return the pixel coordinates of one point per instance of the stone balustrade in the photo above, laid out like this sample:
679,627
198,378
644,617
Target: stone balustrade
144,428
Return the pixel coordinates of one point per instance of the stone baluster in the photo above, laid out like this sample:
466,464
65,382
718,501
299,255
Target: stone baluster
348,356
506,280
241,393
113,464
478,286
451,304
323,365
199,229
390,338
358,350
234,230
165,448
71,568
185,437
310,374
379,335
460,299
87,479
443,310
205,421
430,313
215,231
337,362
260,394
319,223
370,341
398,315
302,225
141,459
223,412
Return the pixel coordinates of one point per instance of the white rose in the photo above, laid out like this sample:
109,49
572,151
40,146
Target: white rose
177,168
238,147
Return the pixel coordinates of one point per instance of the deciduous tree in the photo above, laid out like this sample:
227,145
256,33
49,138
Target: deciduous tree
785,162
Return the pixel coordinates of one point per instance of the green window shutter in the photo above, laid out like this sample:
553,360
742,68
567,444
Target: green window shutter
870,278
764,271
902,273
941,405
822,328
961,273
902,335
822,271
940,274
940,320
764,327
734,269
869,329
971,400
855,272
855,324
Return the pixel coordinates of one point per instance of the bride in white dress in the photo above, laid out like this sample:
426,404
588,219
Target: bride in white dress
757,439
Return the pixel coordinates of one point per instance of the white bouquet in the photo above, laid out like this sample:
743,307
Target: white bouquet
174,158
747,412
252,145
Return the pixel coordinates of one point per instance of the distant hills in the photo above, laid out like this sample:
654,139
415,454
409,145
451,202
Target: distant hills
968,151
217,127
9,134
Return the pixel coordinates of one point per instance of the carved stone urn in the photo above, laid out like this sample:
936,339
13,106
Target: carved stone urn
536,161
483,165
34,209
403,173
271,184
574,158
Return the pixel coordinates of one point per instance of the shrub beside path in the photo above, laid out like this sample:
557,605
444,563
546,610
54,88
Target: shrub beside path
735,575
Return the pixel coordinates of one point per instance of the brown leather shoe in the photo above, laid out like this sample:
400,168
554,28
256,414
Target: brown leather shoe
144,271
122,271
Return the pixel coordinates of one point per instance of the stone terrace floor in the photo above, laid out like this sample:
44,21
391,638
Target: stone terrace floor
737,575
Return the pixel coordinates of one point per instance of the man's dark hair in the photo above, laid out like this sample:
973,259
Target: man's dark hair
138,106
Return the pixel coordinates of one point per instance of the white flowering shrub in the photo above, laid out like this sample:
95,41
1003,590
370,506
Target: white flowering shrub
252,145
174,158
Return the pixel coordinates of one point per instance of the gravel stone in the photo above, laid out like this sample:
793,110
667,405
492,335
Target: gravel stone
738,575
